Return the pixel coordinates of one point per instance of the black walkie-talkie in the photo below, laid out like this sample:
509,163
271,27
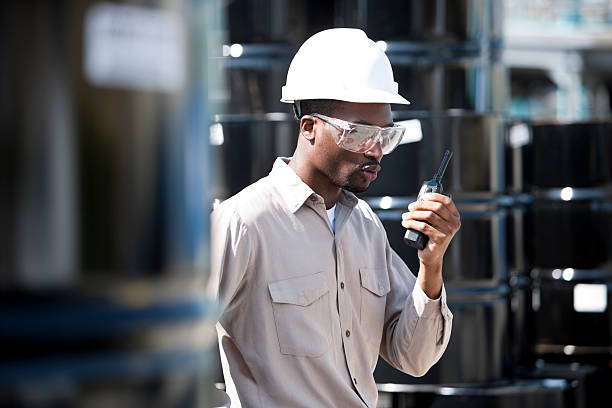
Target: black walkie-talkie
417,239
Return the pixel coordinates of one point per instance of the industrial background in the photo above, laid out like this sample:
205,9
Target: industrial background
123,122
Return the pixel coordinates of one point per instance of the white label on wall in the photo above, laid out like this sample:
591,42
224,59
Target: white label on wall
413,131
134,47
590,297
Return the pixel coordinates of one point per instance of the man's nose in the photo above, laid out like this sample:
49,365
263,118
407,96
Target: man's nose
375,152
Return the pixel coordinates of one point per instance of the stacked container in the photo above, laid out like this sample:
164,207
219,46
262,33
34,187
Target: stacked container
561,246
256,127
562,177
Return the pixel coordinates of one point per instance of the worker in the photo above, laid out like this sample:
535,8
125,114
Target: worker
311,291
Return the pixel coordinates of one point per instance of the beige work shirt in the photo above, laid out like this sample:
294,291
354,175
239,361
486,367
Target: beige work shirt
306,310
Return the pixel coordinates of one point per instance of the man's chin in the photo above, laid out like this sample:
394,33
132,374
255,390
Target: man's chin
356,183
356,189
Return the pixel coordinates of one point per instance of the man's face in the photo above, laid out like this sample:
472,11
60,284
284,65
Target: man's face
345,169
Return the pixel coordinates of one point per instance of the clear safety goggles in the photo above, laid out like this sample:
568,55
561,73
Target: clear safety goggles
361,138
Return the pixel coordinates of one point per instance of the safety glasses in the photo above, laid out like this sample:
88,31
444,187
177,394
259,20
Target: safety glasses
360,138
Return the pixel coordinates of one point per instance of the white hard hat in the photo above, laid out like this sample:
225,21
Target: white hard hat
342,64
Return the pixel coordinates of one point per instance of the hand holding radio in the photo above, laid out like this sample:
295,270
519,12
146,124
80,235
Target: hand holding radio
432,220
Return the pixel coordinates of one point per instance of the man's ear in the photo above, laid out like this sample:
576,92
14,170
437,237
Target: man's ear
307,127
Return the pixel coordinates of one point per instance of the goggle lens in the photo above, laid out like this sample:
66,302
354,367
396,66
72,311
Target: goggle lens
361,138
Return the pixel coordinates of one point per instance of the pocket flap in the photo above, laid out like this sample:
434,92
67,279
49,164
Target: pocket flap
300,291
375,280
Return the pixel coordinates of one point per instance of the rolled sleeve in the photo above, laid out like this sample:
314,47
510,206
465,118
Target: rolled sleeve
427,308
418,329
424,306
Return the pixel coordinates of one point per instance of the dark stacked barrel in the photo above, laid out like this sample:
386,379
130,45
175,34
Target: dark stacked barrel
445,54
562,177
521,393
256,127
103,204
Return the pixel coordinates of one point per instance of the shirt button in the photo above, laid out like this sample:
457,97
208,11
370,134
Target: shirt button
341,285
348,333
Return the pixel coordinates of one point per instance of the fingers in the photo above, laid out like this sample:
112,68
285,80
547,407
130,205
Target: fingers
446,201
437,217
437,210
434,235
430,217
445,210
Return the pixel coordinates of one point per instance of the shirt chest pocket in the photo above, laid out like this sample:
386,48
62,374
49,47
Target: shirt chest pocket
374,288
301,313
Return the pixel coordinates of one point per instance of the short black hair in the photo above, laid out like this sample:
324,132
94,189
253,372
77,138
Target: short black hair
327,107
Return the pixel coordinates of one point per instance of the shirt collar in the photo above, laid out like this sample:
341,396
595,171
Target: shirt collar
294,191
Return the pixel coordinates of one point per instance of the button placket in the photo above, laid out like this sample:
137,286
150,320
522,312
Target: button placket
345,317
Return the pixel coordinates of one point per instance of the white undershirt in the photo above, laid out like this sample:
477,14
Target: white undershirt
331,214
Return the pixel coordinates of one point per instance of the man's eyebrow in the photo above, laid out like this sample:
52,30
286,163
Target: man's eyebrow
363,122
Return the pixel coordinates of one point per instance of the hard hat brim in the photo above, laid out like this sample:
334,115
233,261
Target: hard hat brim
359,96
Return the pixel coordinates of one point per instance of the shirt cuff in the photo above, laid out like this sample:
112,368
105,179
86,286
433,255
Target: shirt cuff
426,307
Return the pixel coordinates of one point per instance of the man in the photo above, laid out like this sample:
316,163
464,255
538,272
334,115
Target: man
310,289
